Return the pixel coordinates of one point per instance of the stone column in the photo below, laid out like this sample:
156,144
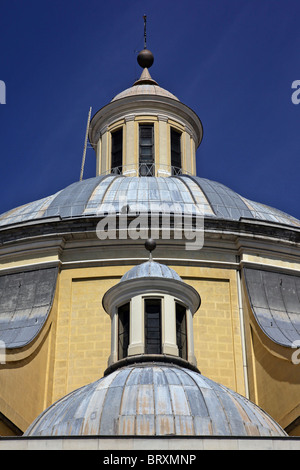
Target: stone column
129,167
169,345
136,322
163,159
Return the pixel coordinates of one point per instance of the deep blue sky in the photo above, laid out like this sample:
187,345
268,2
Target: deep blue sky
232,61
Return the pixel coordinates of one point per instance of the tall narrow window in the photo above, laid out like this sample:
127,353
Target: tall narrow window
117,151
175,152
146,149
152,326
181,335
123,330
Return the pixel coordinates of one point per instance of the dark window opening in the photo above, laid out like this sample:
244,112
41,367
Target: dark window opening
146,149
181,333
153,326
117,151
175,152
123,330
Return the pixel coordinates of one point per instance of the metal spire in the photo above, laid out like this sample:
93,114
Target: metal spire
145,31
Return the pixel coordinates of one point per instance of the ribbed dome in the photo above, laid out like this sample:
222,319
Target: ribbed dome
154,400
192,194
145,86
150,269
145,89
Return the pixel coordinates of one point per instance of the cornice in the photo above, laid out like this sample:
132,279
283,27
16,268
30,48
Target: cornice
144,104
124,291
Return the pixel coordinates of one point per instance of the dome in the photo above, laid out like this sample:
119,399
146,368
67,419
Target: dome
154,399
145,89
150,269
145,86
101,194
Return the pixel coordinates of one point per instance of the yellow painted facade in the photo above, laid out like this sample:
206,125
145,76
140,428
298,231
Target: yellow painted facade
130,148
273,377
74,346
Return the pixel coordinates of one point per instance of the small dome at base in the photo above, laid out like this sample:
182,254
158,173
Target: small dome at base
150,269
154,399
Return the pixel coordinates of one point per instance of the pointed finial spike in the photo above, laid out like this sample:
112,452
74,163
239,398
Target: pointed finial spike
145,57
145,32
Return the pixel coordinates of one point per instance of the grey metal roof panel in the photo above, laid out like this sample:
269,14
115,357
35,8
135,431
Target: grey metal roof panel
31,211
153,406
275,301
25,302
71,201
150,269
105,193
224,201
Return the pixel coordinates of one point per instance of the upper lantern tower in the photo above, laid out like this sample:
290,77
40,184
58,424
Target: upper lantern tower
145,130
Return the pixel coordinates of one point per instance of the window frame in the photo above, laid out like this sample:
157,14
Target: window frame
122,349
180,334
146,165
159,326
176,162
117,165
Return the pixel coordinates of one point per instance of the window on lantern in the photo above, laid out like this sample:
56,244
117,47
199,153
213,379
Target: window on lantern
153,326
123,330
175,152
117,151
146,149
181,333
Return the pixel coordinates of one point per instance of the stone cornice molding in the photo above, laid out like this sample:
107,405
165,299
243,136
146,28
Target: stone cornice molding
124,291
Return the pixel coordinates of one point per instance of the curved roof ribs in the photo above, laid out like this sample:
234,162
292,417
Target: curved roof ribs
275,301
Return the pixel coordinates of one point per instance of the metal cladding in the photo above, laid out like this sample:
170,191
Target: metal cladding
25,302
150,269
274,299
154,399
183,194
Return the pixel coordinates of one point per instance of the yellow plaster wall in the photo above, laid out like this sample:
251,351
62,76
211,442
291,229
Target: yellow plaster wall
277,384
84,328
76,349
24,385
162,145
5,430
217,334
274,380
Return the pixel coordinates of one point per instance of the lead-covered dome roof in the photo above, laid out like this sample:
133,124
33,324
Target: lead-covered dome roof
154,400
105,193
145,86
150,269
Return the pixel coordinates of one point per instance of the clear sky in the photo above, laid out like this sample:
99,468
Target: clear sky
232,61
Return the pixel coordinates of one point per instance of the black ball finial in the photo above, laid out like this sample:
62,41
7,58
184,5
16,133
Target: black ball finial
150,244
145,58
